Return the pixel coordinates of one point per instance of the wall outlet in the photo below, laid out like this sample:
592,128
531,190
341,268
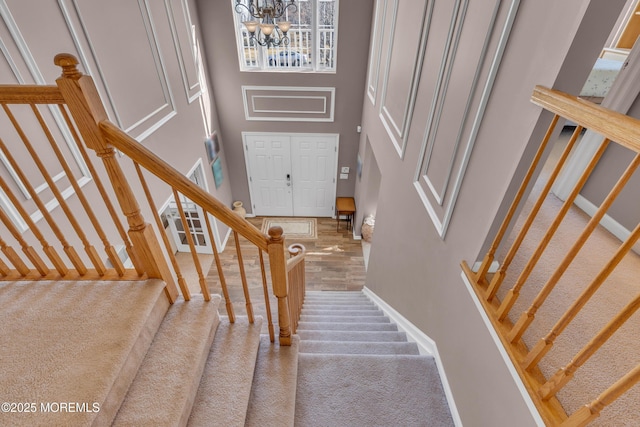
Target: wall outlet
345,169
344,176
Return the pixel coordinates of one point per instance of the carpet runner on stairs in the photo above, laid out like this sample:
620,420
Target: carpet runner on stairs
356,369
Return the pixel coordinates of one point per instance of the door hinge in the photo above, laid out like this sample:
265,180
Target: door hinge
250,179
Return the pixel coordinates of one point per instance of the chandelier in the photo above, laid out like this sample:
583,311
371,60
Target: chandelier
267,29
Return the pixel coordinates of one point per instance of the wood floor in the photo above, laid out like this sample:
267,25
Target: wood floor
334,262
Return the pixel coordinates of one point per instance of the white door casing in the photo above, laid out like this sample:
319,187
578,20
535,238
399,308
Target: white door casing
291,174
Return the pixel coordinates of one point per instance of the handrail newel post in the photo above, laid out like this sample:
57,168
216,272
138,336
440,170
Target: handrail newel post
278,266
85,105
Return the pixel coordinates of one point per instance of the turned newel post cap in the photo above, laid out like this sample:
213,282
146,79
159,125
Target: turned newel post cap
275,233
68,63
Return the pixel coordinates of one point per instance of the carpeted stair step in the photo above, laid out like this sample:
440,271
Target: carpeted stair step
75,341
166,384
344,319
225,387
273,393
338,312
369,336
326,303
339,307
364,390
338,326
342,347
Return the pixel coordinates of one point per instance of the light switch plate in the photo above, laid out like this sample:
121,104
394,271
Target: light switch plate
344,176
345,169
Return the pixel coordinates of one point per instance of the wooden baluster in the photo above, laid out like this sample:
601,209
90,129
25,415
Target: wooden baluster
14,258
564,375
223,282
26,248
243,277
85,106
112,254
490,256
545,343
498,277
4,268
277,264
514,292
88,247
103,193
68,249
192,247
296,282
50,251
591,411
174,262
267,302
528,316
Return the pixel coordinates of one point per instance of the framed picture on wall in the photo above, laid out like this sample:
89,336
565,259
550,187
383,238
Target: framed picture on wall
212,146
216,167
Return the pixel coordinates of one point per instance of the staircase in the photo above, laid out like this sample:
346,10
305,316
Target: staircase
124,364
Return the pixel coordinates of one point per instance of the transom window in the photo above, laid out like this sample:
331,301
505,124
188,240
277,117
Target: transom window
312,40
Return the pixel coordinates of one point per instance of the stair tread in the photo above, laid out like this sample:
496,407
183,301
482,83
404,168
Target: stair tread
371,336
350,347
274,381
225,387
327,393
344,319
347,326
342,312
78,340
339,307
164,388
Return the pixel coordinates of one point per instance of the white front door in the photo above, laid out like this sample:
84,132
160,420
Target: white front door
269,163
292,174
313,170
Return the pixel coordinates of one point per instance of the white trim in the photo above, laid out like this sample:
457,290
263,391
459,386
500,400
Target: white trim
256,110
610,224
194,88
426,346
442,224
226,239
376,50
507,360
330,91
384,115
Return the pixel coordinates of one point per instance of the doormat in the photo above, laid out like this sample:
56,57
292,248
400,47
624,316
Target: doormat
294,228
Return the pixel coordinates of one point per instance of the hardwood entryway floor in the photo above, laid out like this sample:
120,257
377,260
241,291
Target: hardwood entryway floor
334,262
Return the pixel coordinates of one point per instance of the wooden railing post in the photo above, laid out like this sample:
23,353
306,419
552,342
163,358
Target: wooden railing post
278,266
85,105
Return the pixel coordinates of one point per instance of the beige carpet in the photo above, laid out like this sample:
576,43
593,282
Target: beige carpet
622,352
356,372
294,228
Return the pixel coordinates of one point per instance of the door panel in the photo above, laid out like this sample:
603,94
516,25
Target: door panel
269,160
313,167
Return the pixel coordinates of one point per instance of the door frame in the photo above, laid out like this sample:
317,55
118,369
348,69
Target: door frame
291,135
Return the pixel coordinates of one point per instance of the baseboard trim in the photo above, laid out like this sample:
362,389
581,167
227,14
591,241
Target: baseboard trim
425,344
610,224
507,360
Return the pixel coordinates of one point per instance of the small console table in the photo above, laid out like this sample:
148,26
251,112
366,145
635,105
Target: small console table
345,206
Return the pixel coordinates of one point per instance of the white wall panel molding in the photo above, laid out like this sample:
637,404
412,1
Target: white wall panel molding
440,198
147,119
376,50
397,122
279,103
51,115
184,44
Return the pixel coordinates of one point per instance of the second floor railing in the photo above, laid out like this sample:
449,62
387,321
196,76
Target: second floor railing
81,117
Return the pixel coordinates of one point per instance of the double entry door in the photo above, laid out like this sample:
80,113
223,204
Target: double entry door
291,174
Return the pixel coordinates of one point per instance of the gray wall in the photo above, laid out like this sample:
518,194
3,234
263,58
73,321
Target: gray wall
227,80
414,261
140,56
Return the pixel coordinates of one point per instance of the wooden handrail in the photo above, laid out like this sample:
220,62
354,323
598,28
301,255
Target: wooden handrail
154,164
30,94
615,128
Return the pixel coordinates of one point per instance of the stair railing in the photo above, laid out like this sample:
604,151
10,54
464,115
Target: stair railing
81,124
615,128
